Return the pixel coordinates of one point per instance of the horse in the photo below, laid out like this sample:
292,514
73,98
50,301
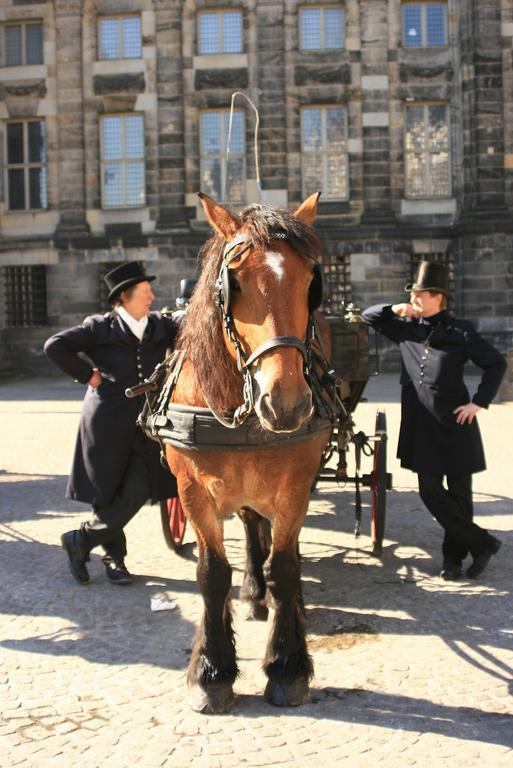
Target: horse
248,330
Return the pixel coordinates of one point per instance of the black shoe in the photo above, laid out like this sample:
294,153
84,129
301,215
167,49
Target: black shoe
78,555
450,572
117,572
482,560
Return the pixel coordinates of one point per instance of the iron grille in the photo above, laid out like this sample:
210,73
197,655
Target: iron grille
337,283
25,295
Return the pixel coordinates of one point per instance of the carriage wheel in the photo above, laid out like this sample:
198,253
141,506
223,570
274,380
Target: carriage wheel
379,482
174,522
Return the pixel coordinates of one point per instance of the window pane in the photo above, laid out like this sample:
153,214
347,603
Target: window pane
16,179
132,37
438,127
112,185
312,130
109,39
412,25
211,133
134,136
237,137
335,128
37,187
34,43
333,28
36,142
14,143
112,138
312,173
336,176
440,174
232,32
211,181
415,131
415,175
135,184
13,46
310,20
435,23
235,180
208,37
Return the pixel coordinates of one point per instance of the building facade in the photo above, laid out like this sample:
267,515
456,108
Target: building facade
115,113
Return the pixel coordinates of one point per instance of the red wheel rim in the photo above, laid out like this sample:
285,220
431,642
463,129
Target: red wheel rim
177,519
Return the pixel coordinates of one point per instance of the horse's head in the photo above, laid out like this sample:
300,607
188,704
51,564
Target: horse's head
269,283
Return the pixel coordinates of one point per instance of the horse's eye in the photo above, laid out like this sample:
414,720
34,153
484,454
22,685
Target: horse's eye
234,283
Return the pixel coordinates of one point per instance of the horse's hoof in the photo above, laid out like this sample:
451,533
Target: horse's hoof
214,700
286,694
257,612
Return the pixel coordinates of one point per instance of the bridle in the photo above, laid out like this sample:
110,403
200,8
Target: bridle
245,362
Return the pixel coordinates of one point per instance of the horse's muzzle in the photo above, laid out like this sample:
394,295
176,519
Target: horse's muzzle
276,417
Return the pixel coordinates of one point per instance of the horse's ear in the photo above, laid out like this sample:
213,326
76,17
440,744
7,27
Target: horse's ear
307,211
220,218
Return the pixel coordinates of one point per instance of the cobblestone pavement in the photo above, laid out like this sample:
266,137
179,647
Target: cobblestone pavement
409,670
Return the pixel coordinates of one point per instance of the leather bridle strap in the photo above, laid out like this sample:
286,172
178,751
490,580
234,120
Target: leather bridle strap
276,341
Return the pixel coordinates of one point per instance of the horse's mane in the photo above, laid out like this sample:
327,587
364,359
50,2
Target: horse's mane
202,335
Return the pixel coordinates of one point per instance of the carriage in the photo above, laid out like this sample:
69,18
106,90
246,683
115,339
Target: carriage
350,361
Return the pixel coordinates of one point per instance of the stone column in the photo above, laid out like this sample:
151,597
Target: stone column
271,84
171,161
375,111
70,116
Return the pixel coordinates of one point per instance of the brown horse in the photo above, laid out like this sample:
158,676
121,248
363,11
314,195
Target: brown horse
247,328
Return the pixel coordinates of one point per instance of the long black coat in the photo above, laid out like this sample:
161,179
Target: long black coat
434,351
108,420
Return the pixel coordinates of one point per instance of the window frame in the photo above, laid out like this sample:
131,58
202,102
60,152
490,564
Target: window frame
322,7
423,5
428,175
123,161
24,297
23,24
223,156
26,165
219,12
120,17
325,153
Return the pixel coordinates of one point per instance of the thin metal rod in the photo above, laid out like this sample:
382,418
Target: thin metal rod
255,142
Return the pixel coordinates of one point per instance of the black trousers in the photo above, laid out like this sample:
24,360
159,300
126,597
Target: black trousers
105,528
452,507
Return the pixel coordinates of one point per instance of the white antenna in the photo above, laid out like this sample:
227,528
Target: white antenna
255,142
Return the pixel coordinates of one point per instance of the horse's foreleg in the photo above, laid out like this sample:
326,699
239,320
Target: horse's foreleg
253,589
213,666
287,663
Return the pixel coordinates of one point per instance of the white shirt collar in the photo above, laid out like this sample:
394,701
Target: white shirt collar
136,326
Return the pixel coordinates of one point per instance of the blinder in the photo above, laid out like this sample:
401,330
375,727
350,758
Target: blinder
316,291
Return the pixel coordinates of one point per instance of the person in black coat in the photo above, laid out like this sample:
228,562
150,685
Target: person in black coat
439,435
116,468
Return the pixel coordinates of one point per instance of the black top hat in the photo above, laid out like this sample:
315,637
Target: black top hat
125,276
431,277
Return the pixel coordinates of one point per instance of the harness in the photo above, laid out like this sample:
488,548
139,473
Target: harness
195,428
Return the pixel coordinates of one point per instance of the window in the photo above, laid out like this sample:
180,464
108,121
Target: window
324,152
428,172
122,153
26,165
24,297
321,27
119,37
220,32
424,24
22,43
223,167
